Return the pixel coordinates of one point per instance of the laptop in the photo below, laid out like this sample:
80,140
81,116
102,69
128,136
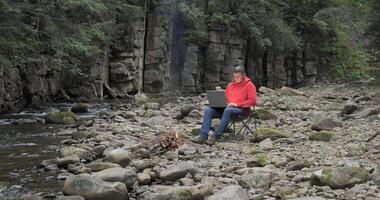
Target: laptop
216,98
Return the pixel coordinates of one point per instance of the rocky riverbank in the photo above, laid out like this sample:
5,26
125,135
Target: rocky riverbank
314,143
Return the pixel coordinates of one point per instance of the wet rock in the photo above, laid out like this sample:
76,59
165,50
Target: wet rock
340,177
80,108
63,162
178,170
143,179
140,165
93,189
75,151
322,136
327,124
297,165
117,174
273,134
119,156
62,117
349,108
232,192
257,178
99,166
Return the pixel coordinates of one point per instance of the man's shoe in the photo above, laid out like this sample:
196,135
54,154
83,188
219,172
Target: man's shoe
212,140
199,140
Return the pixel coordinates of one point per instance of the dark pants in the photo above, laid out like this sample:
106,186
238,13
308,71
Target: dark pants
225,114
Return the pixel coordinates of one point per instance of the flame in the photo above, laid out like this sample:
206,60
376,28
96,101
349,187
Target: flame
171,140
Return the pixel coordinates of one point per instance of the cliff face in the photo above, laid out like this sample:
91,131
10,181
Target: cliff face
147,53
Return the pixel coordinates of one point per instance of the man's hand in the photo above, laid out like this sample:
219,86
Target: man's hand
232,104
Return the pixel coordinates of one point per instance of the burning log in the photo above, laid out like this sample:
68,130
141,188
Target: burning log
171,140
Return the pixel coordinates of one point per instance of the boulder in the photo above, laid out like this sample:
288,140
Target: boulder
327,124
257,177
273,134
93,189
322,136
62,117
80,108
144,179
117,174
99,166
367,112
178,170
75,151
349,108
340,177
232,192
119,156
140,165
297,165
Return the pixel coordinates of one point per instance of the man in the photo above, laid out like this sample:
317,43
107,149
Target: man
240,96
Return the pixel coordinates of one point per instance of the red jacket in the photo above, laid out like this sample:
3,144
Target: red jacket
243,94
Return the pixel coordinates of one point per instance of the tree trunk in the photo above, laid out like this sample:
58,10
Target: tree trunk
265,69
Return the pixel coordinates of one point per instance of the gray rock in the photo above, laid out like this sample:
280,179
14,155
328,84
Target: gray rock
349,108
266,144
75,151
297,165
140,165
61,118
63,162
120,156
376,175
257,178
153,106
327,124
232,192
98,150
178,170
117,174
186,182
364,113
144,179
141,99
186,150
310,198
185,110
99,166
81,135
93,189
178,193
70,198
267,91
340,177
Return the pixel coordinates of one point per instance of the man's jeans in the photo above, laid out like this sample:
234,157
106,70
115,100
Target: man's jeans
225,114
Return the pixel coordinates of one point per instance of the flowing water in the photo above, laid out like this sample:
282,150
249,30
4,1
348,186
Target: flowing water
24,146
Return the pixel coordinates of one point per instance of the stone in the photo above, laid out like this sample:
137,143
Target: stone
63,162
260,160
349,108
376,175
197,192
273,134
144,179
327,124
367,112
257,177
186,182
264,115
153,106
141,99
339,177
93,189
140,165
322,136
286,192
99,166
178,170
75,151
119,156
117,174
62,117
297,165
232,192
70,198
309,198
267,91
266,144
187,150
185,110
81,135
80,108
98,150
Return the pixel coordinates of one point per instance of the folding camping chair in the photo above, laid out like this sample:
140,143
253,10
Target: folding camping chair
245,122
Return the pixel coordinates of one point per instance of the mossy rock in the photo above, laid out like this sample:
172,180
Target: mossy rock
340,177
262,160
273,134
265,115
62,117
322,136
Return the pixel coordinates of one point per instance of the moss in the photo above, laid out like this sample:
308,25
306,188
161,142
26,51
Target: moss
322,136
63,117
262,160
263,133
185,194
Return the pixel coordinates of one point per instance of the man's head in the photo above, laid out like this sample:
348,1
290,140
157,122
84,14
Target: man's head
239,74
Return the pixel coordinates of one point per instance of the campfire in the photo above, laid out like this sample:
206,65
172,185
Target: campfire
171,140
